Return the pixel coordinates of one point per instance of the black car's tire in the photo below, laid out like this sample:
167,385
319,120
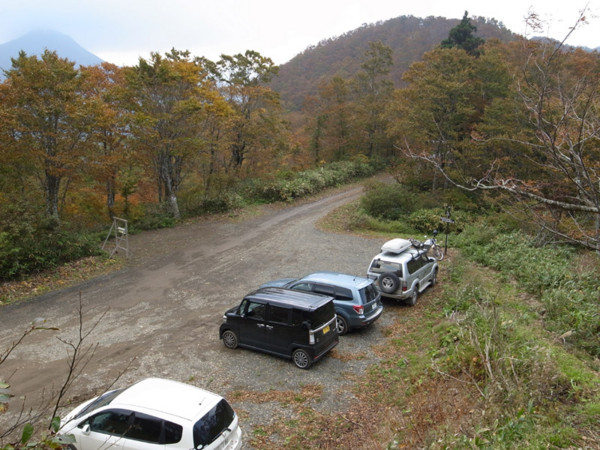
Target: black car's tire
230,339
389,282
301,358
341,325
412,300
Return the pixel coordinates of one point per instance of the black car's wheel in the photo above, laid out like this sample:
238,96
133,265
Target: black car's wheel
389,282
342,325
230,339
412,300
301,358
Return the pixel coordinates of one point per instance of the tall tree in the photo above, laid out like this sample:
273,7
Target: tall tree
557,91
256,125
461,36
436,112
333,114
545,136
105,91
49,119
171,96
373,90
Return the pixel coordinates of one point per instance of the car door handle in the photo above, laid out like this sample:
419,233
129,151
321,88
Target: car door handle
260,325
269,327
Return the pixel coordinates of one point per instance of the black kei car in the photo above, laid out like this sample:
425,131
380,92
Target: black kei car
291,324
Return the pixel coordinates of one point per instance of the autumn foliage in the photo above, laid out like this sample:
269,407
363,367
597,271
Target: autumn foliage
179,135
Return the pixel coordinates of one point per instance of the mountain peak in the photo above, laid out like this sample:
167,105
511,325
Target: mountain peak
37,41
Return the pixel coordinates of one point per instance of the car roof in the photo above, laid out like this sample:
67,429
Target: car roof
287,297
168,397
338,279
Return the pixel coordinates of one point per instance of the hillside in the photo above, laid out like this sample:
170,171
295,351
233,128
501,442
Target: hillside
408,36
35,42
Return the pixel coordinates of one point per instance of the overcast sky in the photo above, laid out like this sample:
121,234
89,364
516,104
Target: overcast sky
120,31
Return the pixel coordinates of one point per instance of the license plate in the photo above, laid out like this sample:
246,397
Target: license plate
326,329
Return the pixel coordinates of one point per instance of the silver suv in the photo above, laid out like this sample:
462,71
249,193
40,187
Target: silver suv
402,271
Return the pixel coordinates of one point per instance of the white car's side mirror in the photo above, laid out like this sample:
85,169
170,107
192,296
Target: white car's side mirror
86,429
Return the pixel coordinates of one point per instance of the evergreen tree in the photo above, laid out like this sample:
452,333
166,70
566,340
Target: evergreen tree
461,36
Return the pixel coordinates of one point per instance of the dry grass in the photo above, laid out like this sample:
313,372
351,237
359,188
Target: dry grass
59,278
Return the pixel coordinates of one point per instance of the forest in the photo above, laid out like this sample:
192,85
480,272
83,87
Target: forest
478,125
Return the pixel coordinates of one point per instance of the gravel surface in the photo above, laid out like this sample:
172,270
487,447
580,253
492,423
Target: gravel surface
161,315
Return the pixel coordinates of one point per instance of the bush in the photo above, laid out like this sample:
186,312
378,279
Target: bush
31,243
309,182
155,217
388,201
428,220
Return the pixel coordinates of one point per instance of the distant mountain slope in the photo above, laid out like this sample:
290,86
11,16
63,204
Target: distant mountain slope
408,36
35,42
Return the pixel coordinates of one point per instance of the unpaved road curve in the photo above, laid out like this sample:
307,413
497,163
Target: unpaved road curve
163,312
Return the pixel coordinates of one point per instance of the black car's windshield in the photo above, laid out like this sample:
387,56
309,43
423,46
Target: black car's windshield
212,425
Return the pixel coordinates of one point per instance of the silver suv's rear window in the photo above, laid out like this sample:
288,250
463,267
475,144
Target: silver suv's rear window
380,266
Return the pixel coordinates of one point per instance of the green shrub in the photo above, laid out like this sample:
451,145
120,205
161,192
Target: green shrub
428,220
155,217
388,201
31,243
309,182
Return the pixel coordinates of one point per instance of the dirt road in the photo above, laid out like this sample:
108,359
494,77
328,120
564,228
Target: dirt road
162,312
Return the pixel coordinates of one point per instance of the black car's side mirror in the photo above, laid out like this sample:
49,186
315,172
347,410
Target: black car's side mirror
306,325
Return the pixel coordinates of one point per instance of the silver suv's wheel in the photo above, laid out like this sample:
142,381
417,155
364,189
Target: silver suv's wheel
412,300
301,358
434,278
389,282
230,339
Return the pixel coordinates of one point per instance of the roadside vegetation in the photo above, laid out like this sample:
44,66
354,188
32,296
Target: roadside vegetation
502,353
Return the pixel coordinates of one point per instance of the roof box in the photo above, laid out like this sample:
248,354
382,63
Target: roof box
396,245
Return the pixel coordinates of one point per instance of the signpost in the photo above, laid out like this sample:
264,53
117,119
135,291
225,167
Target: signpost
447,220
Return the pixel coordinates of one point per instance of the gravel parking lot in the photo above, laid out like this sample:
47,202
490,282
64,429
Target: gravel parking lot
161,315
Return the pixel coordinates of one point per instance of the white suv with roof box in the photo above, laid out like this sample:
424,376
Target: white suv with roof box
403,271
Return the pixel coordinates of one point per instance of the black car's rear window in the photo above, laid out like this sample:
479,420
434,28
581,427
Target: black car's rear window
320,316
212,425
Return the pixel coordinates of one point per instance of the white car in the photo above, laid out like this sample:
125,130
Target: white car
153,414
